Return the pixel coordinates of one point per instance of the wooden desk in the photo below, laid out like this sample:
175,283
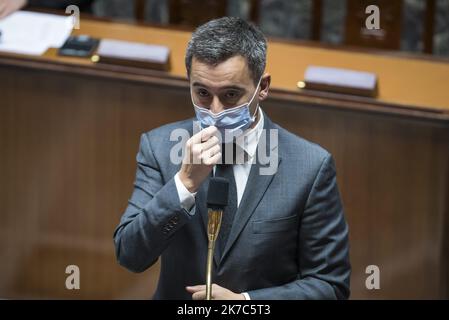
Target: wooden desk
69,133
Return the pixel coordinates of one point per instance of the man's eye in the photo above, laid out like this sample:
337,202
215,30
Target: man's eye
203,93
231,95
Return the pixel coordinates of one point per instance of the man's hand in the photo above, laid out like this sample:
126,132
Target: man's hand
9,6
203,151
218,293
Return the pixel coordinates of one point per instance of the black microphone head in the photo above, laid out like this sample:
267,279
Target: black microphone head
217,195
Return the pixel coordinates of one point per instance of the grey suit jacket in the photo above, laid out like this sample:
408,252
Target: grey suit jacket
289,239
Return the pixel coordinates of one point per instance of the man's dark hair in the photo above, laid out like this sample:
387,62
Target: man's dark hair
220,39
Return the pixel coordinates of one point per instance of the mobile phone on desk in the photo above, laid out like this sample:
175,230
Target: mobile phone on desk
79,46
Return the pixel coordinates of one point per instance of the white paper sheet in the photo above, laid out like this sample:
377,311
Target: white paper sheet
340,77
133,50
33,33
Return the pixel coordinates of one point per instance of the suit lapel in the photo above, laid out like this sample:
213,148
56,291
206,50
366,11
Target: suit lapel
201,202
255,188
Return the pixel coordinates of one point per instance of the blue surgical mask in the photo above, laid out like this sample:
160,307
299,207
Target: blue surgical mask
230,122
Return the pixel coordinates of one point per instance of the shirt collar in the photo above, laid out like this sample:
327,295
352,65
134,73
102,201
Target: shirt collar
250,138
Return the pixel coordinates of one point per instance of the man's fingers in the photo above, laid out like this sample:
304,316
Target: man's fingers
5,9
199,292
205,151
208,133
206,155
214,149
209,153
213,141
2,10
193,289
198,145
213,160
204,135
200,295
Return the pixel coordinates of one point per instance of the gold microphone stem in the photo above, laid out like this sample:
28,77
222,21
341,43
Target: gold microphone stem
213,228
210,255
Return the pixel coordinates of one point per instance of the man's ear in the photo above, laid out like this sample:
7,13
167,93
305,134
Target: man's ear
265,86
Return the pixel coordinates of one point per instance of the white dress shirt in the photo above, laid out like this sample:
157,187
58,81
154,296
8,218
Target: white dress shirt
241,171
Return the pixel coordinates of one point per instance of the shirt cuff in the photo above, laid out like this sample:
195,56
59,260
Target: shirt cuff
246,295
186,198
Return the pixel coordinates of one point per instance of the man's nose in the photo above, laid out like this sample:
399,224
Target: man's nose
216,106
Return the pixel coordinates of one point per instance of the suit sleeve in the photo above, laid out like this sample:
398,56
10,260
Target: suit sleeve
153,215
323,248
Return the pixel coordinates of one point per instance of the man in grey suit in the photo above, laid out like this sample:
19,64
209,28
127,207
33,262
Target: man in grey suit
283,236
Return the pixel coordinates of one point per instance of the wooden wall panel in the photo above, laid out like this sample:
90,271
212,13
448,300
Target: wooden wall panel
67,163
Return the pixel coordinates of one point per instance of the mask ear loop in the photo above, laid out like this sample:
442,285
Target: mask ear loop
253,117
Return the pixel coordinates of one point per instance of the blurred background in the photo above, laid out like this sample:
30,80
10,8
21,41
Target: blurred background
324,20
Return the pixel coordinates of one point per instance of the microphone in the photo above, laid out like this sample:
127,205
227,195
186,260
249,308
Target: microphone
217,200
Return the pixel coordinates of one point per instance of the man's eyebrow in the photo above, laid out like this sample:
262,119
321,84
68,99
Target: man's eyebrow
199,84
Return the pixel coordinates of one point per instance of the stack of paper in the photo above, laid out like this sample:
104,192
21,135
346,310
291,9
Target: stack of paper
341,81
134,54
33,33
